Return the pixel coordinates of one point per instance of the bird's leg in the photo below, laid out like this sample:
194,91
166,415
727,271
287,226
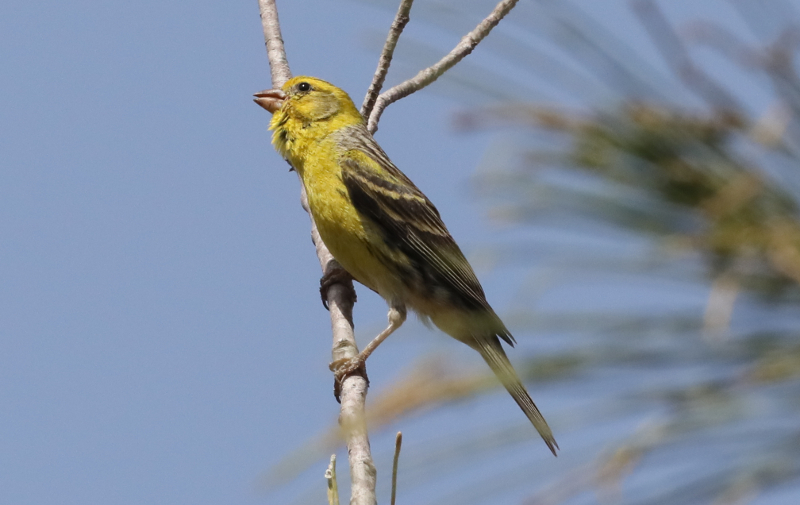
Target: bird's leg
343,367
335,274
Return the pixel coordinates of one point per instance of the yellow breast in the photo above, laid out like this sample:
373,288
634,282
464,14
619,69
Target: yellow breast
339,224
313,152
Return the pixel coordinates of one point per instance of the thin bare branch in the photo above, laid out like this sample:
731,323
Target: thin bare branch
430,74
340,298
400,21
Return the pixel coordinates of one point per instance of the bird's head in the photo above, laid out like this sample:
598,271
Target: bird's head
307,100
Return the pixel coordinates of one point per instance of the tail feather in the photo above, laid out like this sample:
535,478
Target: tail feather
496,358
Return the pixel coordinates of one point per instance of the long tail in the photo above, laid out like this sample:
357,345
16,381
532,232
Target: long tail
495,356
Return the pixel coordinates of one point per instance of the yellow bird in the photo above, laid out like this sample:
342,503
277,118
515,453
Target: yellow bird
383,230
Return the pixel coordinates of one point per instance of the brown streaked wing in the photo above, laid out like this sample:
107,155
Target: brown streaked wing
410,224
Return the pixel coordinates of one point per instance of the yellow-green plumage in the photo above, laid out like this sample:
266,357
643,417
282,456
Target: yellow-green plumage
382,229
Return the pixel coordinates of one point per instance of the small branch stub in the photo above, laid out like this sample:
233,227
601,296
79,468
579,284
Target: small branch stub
398,442
333,486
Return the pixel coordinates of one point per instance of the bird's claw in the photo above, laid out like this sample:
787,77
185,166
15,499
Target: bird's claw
335,275
344,368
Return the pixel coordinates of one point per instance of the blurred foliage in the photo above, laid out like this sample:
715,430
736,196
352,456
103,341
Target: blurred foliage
682,180
667,209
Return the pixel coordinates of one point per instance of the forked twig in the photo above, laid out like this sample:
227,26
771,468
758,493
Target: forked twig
428,75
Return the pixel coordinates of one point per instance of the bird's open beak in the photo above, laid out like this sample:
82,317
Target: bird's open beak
270,99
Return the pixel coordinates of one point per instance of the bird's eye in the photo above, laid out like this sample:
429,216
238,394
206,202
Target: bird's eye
304,86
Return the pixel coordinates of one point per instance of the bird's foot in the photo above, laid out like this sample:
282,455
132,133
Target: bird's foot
336,275
344,368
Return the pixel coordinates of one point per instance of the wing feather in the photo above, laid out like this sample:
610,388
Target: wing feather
409,223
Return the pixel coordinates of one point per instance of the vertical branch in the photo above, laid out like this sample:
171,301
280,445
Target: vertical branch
276,54
399,23
341,297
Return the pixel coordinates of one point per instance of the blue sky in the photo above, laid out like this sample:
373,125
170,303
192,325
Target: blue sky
162,335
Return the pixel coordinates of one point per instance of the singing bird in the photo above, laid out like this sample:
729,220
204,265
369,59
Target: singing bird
383,230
